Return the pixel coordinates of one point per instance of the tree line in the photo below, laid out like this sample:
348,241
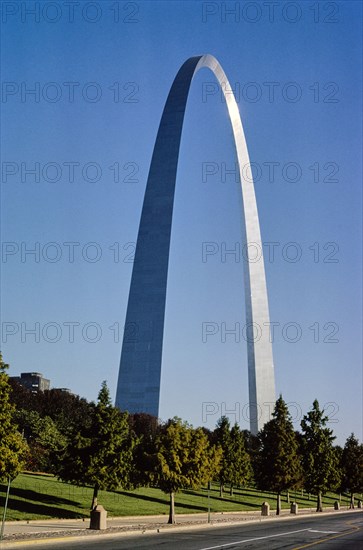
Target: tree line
94,443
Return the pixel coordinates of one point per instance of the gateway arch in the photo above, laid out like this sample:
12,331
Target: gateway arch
138,387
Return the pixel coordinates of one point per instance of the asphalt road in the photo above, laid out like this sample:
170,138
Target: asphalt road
325,532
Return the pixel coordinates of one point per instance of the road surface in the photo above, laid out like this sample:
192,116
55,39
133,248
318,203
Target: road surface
322,532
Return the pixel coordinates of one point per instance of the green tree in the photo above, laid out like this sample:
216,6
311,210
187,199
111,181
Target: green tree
101,454
12,446
240,459
68,411
252,446
278,467
222,436
43,438
146,429
352,467
320,461
184,459
21,397
203,460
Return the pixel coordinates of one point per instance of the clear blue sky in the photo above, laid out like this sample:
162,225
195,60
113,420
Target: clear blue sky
101,78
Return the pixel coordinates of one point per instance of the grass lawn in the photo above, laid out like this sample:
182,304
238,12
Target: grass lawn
36,496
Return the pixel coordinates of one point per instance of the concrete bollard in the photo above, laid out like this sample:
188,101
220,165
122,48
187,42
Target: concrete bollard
265,509
336,505
98,518
294,508
359,504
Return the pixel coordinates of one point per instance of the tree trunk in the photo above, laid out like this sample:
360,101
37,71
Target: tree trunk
221,487
94,498
319,504
171,509
351,505
278,504
231,490
288,497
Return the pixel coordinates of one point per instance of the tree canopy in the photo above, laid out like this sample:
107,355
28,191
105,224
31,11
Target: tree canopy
44,440
184,459
235,467
320,462
101,454
222,435
352,467
96,444
278,465
13,448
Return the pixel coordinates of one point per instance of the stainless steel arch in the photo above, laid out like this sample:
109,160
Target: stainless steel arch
138,385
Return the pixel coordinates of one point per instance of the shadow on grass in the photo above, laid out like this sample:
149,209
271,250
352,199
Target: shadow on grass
249,494
162,501
237,501
226,499
333,498
29,494
41,504
32,508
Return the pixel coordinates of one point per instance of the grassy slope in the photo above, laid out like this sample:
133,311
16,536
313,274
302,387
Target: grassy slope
34,496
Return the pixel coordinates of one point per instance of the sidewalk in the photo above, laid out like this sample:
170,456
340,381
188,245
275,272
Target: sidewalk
40,529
